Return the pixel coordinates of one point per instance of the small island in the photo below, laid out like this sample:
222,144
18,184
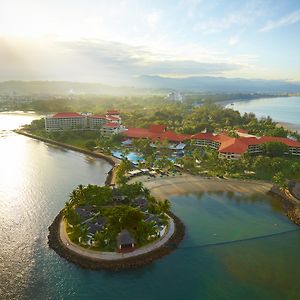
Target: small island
114,227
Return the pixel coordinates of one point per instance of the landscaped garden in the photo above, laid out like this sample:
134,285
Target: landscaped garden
105,218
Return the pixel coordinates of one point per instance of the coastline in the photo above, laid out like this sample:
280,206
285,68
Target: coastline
162,188
289,126
54,238
55,242
294,127
114,162
165,187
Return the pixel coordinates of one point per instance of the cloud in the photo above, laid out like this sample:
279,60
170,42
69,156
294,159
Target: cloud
289,19
102,61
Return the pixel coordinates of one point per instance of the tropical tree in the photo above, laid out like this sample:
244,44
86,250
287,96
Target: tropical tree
273,149
280,180
164,205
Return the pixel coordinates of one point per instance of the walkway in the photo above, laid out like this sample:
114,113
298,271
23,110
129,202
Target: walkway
114,255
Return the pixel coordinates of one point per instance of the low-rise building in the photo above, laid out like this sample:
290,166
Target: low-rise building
125,241
233,148
111,128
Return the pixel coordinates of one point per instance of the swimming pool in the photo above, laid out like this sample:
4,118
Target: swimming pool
133,157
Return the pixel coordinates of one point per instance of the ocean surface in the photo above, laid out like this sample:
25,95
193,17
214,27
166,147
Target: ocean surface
236,246
281,109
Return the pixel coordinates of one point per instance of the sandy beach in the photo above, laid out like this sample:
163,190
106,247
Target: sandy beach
164,187
289,126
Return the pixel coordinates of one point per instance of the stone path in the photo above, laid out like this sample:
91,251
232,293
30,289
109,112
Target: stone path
114,255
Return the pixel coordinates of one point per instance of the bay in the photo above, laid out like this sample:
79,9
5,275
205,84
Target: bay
236,246
280,109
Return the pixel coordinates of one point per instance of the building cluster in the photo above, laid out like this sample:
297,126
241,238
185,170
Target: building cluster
94,222
227,146
107,124
175,96
111,123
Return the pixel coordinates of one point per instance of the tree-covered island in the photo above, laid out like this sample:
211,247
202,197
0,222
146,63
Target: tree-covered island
114,219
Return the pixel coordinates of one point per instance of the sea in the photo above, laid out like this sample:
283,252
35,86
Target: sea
236,246
285,110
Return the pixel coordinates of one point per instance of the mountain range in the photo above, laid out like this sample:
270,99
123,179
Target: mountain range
146,84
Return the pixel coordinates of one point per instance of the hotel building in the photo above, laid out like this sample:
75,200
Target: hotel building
78,121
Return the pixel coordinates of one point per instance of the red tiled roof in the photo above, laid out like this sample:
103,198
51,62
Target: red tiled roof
111,125
234,145
150,134
288,142
221,138
175,137
68,115
137,133
112,112
157,128
202,136
227,143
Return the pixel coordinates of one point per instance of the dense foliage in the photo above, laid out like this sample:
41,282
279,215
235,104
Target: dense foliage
120,212
188,118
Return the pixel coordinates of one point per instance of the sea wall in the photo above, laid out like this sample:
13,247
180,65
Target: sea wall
291,205
60,248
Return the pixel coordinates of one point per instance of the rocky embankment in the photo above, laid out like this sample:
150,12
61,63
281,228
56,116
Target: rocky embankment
291,205
60,248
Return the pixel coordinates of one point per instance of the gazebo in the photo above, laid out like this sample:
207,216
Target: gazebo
125,241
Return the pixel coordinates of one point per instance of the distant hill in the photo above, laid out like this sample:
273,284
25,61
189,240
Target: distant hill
61,88
218,84
150,84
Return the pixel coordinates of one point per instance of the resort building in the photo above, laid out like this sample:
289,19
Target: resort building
95,122
156,133
233,148
110,123
111,128
125,241
228,147
65,121
78,121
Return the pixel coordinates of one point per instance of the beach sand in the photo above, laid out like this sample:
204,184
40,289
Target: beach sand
164,187
289,126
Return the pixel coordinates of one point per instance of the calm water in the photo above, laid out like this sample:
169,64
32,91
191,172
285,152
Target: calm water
230,250
283,109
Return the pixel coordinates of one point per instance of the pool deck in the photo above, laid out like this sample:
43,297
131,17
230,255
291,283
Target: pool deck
164,187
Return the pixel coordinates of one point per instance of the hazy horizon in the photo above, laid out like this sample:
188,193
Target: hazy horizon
114,43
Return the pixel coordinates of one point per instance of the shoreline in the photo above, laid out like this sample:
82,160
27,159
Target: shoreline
178,185
289,126
105,255
166,187
55,242
114,162
54,237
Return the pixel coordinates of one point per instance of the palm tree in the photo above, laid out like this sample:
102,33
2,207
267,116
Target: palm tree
79,233
164,205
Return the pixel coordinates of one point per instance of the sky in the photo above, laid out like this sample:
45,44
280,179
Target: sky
115,41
